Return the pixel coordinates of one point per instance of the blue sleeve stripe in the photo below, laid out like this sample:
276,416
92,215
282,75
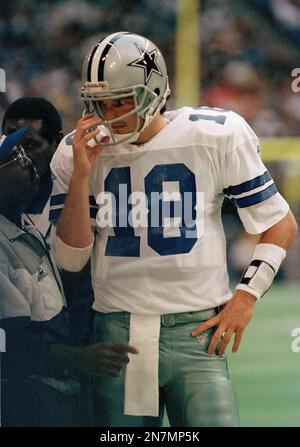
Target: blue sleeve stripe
93,213
59,199
54,214
248,185
260,196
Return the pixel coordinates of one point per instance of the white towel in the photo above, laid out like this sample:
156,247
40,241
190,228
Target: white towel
141,380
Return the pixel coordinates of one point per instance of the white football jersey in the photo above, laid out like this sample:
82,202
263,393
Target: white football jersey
156,207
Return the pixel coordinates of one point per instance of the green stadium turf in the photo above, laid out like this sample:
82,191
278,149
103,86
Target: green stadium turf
265,370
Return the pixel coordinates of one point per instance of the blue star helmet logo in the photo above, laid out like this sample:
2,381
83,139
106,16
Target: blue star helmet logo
147,61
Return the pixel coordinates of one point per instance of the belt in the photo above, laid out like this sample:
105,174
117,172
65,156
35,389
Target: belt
170,320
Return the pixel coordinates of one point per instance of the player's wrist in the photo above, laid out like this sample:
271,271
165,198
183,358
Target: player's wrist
246,296
259,275
80,174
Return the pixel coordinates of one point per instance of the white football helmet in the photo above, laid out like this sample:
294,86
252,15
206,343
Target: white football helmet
124,65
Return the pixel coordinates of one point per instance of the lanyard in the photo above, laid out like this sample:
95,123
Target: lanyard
44,245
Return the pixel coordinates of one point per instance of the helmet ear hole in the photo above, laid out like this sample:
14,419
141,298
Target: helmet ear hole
157,91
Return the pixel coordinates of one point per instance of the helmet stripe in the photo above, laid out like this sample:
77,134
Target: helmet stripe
89,68
105,53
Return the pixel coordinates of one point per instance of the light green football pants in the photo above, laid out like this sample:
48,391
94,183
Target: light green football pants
195,388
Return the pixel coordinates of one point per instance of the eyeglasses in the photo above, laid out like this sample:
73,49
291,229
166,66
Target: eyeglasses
19,155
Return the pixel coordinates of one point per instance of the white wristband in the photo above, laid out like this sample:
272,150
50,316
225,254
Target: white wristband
264,265
71,258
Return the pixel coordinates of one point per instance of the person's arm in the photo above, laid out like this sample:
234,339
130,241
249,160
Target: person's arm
31,347
26,342
237,312
100,359
74,227
246,181
283,233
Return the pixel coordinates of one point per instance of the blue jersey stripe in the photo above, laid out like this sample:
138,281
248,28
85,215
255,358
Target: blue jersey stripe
248,185
59,199
253,199
54,214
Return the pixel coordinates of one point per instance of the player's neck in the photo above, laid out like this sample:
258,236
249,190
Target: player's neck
158,123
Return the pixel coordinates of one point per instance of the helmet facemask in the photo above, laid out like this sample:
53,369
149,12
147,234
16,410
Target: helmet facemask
145,107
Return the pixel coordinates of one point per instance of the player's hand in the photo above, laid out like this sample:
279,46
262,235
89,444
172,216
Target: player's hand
85,156
232,319
102,359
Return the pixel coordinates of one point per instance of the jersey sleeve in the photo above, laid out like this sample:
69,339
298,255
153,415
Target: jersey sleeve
248,184
62,168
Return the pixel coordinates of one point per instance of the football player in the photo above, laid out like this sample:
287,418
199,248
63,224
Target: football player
140,191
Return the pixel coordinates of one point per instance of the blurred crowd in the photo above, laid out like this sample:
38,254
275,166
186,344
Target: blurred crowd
248,52
43,43
248,57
